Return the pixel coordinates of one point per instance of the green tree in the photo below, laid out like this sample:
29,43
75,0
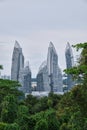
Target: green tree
41,125
22,117
55,99
79,72
64,127
9,109
1,67
13,126
30,102
2,125
9,87
53,123
72,107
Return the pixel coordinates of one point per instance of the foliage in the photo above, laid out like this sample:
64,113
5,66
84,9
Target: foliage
22,117
80,71
30,102
9,109
64,127
9,87
41,125
54,99
2,125
1,67
72,111
12,127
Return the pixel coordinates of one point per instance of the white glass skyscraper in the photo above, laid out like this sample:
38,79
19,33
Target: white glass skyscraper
17,61
53,69
50,73
25,79
18,71
69,64
42,78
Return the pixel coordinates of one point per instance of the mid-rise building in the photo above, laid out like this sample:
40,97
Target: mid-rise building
5,77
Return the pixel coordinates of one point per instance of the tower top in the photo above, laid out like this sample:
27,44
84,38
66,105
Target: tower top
17,45
52,46
68,46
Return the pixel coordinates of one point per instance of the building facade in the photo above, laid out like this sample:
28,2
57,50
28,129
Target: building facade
69,64
17,62
54,72
25,79
18,71
42,78
49,77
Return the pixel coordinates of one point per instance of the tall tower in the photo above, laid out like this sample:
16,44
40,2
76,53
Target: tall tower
17,61
54,72
25,79
69,64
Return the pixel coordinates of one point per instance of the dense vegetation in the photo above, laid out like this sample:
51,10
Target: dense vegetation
55,112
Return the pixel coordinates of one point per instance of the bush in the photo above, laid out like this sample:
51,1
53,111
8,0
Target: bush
2,125
12,127
41,125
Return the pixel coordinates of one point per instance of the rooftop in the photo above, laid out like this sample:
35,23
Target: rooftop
52,46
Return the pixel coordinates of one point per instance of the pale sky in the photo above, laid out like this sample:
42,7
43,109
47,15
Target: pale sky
34,23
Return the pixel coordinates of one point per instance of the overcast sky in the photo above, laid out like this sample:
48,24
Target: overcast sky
34,23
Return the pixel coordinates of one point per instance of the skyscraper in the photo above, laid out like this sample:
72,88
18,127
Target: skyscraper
18,71
49,77
25,79
54,72
69,64
17,62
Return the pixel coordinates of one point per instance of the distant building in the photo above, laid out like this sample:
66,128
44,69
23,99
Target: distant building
34,84
42,78
25,79
0,74
69,64
65,83
5,77
42,94
47,69
17,62
53,69
18,71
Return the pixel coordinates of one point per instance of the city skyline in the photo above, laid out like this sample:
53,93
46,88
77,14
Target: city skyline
49,78
6,71
35,23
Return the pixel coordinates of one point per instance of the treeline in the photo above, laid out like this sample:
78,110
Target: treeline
55,112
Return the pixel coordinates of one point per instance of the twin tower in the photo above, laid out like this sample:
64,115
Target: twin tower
49,77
